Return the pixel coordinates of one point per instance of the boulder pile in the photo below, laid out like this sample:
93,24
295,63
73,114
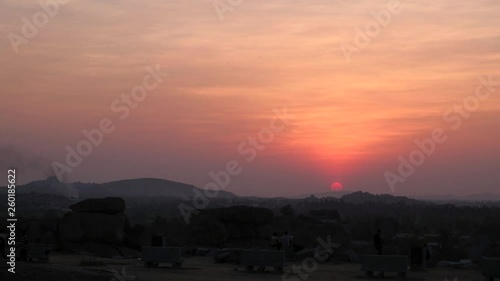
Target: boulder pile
94,220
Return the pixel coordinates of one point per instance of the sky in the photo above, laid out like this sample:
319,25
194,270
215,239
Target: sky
361,82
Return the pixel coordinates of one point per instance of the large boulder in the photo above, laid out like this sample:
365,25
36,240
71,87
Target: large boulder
208,231
263,216
239,230
292,226
160,226
178,233
217,214
109,205
70,229
103,228
264,231
139,236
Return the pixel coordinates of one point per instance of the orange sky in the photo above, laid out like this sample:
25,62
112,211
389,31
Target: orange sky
352,120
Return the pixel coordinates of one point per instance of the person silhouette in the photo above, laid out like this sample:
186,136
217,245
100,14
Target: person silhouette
285,241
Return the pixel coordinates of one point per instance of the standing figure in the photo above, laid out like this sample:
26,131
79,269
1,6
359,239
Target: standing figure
285,241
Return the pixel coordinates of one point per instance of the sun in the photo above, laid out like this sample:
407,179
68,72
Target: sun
336,186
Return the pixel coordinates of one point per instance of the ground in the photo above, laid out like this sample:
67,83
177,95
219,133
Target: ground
68,268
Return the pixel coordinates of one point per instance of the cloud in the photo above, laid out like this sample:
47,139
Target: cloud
226,76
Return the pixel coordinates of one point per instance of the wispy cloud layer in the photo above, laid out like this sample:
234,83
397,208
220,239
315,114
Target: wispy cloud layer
226,76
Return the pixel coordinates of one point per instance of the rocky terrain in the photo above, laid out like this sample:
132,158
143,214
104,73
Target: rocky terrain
89,238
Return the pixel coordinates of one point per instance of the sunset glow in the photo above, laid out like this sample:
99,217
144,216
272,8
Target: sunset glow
223,79
336,186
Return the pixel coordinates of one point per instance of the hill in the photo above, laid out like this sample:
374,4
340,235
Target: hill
360,197
450,198
330,194
144,187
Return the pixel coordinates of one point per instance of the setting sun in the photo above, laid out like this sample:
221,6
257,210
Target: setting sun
336,186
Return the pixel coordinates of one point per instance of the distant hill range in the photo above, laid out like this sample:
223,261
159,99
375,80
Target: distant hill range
331,194
362,197
359,197
151,187
481,197
147,187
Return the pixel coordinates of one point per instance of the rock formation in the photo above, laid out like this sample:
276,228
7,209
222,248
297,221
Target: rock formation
94,220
